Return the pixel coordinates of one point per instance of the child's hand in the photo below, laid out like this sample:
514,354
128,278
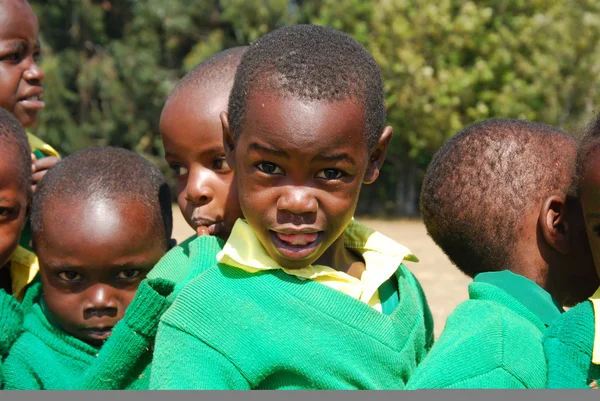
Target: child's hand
594,385
39,168
202,230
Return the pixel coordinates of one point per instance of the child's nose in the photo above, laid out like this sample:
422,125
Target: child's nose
298,200
100,302
34,73
199,189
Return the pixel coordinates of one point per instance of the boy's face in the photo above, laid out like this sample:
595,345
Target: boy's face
93,255
193,140
300,166
590,202
13,204
20,77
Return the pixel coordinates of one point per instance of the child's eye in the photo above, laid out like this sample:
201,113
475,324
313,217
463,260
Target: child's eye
70,276
178,169
269,168
128,274
330,174
220,163
6,212
596,229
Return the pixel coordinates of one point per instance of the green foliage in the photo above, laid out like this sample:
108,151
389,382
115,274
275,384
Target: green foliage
447,63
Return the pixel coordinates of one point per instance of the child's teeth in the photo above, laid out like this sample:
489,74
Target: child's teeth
298,239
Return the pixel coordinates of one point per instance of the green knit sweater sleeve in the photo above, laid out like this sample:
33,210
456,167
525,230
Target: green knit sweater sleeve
205,368
123,362
19,374
11,322
568,345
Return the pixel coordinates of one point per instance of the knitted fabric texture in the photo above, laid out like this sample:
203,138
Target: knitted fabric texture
490,341
11,322
230,329
568,344
47,358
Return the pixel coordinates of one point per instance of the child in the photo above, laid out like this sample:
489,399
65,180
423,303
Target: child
572,343
101,220
193,140
497,199
303,297
15,194
21,91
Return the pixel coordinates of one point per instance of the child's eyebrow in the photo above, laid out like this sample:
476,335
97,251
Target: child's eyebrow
262,148
335,157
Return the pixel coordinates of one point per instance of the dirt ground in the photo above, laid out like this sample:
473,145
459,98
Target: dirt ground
444,285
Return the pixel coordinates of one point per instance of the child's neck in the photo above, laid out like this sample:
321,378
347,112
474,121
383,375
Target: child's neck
342,259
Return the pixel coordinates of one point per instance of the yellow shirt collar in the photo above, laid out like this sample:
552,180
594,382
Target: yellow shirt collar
382,258
23,268
37,143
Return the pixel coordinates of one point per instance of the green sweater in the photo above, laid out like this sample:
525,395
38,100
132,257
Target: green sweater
230,329
11,323
46,358
569,343
493,340
137,341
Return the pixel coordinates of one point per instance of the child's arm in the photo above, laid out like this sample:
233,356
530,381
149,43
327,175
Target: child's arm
127,353
183,362
18,373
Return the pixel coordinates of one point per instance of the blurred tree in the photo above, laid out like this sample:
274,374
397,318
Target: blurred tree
446,63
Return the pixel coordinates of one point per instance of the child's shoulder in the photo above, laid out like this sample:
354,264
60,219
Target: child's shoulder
484,345
175,264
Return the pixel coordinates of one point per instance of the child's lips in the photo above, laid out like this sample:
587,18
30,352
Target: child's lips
296,245
33,102
100,333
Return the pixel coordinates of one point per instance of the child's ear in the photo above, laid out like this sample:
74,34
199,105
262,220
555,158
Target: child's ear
554,223
377,156
228,141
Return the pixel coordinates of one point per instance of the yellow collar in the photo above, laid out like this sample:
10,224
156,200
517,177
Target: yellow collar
23,268
382,258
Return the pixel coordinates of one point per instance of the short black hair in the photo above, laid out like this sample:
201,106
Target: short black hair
13,138
106,173
590,142
216,72
481,182
314,63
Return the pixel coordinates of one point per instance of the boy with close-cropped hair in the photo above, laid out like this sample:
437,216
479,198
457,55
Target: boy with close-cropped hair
206,192
101,219
192,137
15,196
498,199
302,296
572,343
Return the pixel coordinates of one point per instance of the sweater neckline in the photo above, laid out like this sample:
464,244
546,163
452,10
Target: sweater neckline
387,329
527,293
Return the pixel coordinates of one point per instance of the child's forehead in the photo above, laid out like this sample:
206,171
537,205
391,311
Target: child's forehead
305,128
17,20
